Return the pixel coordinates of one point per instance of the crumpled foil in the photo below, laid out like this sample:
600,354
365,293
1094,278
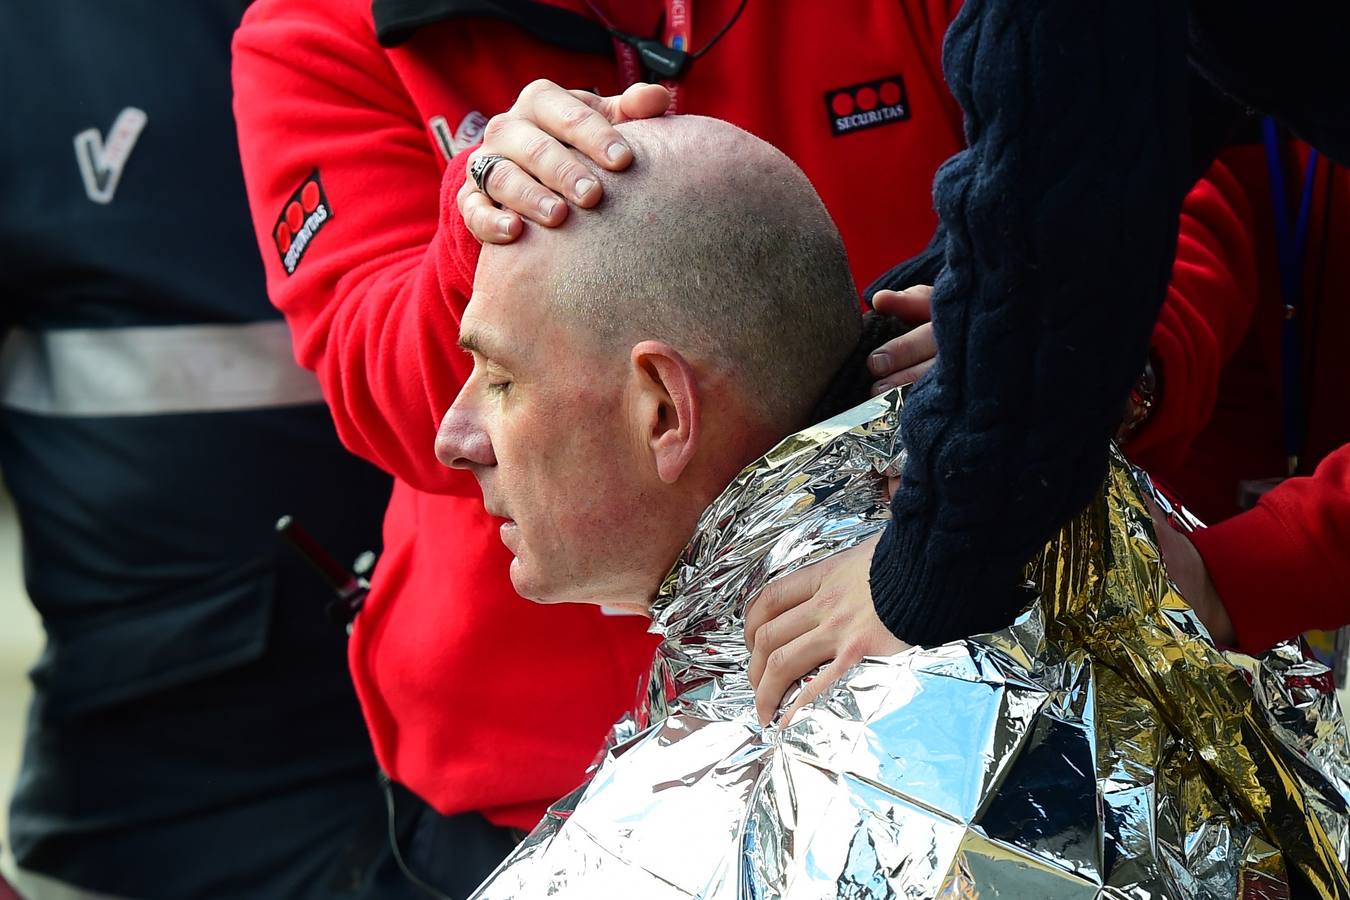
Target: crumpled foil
1100,746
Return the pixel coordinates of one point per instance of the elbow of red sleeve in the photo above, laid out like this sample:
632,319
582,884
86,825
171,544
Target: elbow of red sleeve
1187,378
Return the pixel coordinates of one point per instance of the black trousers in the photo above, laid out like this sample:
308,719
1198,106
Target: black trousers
446,856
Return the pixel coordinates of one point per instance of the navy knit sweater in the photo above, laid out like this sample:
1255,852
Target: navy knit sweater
1058,230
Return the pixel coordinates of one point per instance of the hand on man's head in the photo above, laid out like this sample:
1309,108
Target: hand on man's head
543,137
626,367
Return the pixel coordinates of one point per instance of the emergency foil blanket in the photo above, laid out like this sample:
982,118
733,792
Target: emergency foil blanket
1100,746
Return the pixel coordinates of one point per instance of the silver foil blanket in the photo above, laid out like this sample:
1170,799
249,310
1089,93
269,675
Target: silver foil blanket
1100,746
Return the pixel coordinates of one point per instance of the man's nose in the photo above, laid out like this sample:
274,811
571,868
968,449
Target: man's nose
461,442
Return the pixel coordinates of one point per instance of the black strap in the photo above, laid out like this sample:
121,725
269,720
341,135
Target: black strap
395,846
396,20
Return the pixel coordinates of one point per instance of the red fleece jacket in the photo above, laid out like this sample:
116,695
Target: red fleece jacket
1283,567
475,698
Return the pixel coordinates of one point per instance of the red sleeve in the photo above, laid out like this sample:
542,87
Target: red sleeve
1209,307
1282,567
374,303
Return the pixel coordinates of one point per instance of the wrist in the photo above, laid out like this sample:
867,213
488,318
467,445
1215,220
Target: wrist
1211,611
1250,559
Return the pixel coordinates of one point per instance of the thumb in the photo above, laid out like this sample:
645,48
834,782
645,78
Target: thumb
911,306
640,101
814,686
643,101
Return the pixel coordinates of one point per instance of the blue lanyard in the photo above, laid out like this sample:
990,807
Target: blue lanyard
1292,245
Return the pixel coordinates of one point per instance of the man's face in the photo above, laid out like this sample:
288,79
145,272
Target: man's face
543,425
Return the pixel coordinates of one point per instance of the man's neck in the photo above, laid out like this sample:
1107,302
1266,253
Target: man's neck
815,493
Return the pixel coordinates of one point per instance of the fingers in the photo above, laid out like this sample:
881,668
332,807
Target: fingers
549,161
488,223
781,595
816,686
903,377
642,101
912,305
578,118
904,359
545,138
785,665
639,101
879,643
780,630
515,188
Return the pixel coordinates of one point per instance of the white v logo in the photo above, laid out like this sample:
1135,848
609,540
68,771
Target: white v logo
101,163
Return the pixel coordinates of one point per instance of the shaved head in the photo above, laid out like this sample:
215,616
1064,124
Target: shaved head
629,363
716,243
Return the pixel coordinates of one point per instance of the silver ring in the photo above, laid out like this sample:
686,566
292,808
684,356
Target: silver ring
480,167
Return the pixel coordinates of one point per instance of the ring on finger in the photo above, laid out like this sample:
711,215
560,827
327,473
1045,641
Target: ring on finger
480,167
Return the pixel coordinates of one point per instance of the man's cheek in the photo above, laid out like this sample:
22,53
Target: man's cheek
587,530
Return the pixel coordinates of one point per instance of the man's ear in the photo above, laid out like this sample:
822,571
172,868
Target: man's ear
667,409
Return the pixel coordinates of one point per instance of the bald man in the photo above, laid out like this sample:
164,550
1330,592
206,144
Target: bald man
630,370
629,364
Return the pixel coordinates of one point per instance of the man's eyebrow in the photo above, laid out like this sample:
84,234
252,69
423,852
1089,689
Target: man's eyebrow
474,342
487,344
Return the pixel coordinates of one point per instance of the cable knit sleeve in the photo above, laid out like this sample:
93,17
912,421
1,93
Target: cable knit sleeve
1061,223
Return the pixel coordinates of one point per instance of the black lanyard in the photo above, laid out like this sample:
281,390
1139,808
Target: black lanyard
665,58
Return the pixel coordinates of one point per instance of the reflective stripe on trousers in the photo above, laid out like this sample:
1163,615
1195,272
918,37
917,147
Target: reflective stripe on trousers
152,370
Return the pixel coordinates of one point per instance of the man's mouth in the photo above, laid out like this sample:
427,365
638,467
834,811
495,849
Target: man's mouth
508,531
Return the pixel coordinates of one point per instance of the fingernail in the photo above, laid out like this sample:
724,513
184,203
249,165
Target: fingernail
584,187
616,151
880,388
504,225
879,363
549,207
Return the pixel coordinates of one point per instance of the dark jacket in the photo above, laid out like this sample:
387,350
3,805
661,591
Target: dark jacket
193,730
1087,125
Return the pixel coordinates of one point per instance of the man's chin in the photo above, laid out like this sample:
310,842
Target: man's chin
537,591
523,584
532,588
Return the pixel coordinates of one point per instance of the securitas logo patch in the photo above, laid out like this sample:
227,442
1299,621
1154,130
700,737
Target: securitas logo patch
304,214
867,105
